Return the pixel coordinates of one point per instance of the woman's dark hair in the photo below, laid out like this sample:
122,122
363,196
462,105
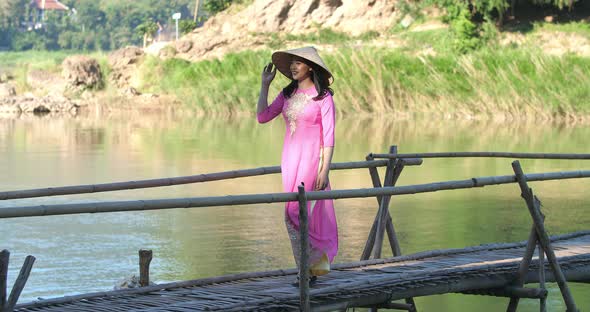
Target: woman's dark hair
320,80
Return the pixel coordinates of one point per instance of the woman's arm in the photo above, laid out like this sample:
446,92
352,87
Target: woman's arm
323,179
328,125
268,74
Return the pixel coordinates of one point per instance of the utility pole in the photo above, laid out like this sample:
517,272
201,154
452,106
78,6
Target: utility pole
197,4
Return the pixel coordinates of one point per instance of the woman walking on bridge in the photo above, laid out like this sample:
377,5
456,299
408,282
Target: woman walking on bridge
308,110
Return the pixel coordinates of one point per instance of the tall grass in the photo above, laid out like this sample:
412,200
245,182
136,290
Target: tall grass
508,83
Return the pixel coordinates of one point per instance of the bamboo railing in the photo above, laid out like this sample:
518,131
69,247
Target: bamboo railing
393,161
208,177
231,200
484,154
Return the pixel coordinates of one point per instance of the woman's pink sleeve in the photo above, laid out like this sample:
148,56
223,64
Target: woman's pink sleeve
273,110
328,120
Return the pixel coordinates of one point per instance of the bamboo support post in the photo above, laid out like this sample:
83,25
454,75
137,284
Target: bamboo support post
543,301
4,257
371,237
388,225
19,284
304,302
145,257
523,268
383,211
544,240
375,239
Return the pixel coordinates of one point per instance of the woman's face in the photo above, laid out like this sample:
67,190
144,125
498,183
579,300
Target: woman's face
299,70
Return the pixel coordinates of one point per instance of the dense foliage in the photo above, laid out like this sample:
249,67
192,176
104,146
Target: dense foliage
473,21
90,24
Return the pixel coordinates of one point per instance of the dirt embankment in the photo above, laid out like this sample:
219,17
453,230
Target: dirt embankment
250,28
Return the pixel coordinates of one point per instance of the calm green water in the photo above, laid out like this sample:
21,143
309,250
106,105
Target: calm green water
85,253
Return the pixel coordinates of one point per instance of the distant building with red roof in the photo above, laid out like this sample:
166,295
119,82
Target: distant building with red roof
49,5
38,9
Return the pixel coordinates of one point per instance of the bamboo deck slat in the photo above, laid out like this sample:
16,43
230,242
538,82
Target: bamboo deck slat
356,284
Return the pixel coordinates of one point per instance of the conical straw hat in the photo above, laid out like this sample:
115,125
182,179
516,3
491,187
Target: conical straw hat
282,60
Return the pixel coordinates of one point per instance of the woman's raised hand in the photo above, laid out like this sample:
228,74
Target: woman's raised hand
268,74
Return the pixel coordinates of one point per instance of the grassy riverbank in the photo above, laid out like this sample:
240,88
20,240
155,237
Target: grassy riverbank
507,82
518,74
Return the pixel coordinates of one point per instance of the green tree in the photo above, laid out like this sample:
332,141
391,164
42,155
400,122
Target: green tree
186,26
215,6
146,30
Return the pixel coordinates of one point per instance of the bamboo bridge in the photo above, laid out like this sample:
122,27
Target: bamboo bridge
499,270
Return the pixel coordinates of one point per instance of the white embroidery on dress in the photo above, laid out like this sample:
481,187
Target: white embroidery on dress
296,106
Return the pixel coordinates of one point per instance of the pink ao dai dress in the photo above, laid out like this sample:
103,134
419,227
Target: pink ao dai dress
309,128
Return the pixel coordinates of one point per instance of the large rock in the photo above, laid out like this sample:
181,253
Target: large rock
35,105
7,90
124,57
123,64
81,72
234,31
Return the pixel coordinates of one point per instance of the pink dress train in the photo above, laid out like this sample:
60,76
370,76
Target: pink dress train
309,128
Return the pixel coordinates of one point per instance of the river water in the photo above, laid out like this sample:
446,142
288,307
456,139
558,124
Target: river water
86,253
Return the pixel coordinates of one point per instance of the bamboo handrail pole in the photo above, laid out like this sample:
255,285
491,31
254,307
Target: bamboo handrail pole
207,177
229,200
543,237
485,154
304,302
